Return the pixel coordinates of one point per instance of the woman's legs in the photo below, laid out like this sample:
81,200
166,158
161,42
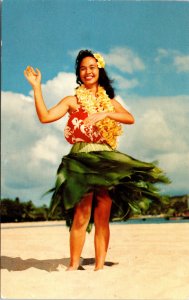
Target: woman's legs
102,231
78,230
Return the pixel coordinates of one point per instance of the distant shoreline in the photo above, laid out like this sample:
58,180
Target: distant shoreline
134,220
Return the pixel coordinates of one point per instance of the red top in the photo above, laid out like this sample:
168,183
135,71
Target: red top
76,131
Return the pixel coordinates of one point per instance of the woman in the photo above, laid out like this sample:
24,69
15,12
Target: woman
95,183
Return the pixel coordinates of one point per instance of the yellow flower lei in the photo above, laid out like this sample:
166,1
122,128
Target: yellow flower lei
108,128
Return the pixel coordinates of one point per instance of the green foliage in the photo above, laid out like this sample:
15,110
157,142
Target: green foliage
17,211
170,206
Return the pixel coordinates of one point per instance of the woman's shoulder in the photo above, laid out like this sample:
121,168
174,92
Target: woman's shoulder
118,101
115,102
71,102
69,98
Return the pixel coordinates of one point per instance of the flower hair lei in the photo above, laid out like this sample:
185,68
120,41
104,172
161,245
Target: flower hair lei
108,128
100,60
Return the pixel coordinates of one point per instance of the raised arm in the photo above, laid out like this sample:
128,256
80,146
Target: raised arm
45,115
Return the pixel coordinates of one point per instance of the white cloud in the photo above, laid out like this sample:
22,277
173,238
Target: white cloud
161,122
154,121
176,165
21,130
32,151
124,83
181,63
124,59
160,133
46,149
174,161
161,53
175,58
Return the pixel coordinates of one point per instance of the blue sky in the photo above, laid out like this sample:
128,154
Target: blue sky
43,32
146,48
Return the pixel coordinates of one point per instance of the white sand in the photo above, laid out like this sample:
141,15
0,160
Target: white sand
153,263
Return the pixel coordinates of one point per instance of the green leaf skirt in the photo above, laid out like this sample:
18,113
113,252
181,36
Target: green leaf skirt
87,168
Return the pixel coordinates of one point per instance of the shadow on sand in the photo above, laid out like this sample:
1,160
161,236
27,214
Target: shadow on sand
49,265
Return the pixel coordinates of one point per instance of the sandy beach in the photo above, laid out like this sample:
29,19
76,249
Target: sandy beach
146,261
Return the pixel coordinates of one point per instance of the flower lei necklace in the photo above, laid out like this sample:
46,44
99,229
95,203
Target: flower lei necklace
108,128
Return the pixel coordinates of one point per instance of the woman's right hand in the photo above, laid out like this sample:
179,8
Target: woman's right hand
33,77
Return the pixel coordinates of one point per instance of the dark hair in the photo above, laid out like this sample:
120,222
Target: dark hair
103,80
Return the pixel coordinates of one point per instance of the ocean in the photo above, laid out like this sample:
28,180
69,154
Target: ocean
153,221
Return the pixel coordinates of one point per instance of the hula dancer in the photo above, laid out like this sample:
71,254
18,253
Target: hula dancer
95,183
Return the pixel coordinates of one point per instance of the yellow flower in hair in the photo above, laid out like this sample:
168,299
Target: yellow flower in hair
100,60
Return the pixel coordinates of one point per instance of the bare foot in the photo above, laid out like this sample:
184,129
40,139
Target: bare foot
75,268
71,268
98,269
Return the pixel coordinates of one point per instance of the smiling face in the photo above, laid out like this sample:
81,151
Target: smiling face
89,71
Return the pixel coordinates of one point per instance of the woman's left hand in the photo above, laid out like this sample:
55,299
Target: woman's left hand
94,118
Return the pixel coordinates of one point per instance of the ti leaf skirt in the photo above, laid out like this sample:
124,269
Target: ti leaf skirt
90,167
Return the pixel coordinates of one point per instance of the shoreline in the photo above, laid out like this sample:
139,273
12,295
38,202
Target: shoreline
132,221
